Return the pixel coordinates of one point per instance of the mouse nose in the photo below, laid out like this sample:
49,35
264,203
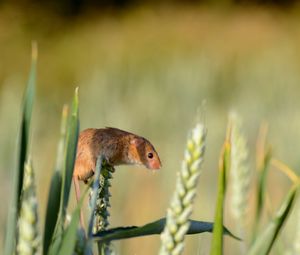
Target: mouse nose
155,165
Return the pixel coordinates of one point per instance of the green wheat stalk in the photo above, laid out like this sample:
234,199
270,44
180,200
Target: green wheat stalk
100,203
181,206
29,239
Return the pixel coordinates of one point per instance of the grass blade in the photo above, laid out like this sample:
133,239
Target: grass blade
67,173
14,209
266,239
261,192
70,234
56,242
262,184
54,196
154,228
224,166
263,162
70,155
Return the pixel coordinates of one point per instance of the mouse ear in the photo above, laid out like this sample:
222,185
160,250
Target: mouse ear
136,141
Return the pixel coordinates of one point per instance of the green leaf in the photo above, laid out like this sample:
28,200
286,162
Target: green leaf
261,190
54,196
217,239
18,175
56,241
264,242
70,155
70,234
153,228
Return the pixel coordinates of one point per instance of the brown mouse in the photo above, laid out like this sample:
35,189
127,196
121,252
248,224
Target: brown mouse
118,148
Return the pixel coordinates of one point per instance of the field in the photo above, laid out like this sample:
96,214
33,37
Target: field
147,70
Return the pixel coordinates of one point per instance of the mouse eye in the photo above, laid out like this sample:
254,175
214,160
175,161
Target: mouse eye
150,155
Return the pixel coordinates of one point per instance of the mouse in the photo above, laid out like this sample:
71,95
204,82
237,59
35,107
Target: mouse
118,147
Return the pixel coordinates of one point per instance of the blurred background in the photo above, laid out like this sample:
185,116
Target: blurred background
146,67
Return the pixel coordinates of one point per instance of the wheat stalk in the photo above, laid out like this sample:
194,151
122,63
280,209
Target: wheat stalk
29,239
240,172
181,206
101,203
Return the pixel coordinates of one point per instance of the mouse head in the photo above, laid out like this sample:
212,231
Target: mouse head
144,153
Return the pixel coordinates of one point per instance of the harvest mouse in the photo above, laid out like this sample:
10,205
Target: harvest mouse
118,147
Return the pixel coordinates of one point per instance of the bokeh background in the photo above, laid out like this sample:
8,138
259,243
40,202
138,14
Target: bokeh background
146,67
